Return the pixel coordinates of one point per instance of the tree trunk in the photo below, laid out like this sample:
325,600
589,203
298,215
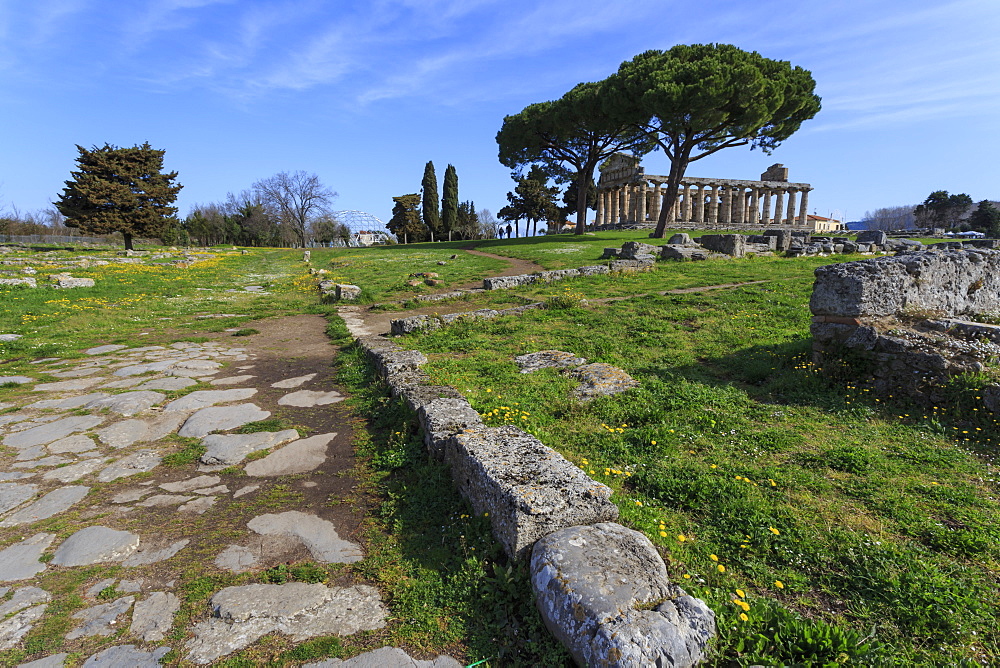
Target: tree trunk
583,178
677,167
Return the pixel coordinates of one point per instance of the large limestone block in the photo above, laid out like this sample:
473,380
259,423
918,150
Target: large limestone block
443,418
528,489
730,244
949,283
603,591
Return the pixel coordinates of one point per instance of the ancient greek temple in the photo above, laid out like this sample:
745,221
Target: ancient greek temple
626,195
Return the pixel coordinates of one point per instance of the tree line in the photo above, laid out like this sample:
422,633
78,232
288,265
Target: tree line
942,210
418,217
125,190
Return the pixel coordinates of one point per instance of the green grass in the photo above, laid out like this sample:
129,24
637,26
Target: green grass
874,518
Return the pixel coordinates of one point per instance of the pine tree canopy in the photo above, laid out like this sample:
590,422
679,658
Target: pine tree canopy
120,190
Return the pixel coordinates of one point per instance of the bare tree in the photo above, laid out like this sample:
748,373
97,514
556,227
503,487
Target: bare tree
890,218
487,225
297,198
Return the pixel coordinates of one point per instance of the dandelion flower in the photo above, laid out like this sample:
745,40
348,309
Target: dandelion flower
681,538
744,617
687,576
713,557
663,534
741,593
773,530
721,568
779,584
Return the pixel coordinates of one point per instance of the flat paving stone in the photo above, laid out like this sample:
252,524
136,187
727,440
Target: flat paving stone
203,398
74,472
153,616
53,503
127,656
229,449
128,403
74,443
16,380
232,380
130,495
139,369
95,544
51,661
77,373
289,383
70,403
68,385
237,559
168,383
54,460
150,554
103,350
125,433
13,494
35,452
241,615
303,455
122,384
140,461
6,476
221,418
190,484
17,626
20,560
161,500
199,505
99,586
310,398
100,620
318,535
25,597
246,489
52,431
386,657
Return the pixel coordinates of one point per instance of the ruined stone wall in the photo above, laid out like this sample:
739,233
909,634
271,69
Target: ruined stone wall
908,321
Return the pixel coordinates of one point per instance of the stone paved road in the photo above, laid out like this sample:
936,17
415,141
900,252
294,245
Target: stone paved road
95,490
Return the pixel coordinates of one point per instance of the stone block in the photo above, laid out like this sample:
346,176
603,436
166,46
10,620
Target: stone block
877,237
603,591
345,292
401,326
947,283
26,281
593,270
443,418
505,282
632,250
632,265
610,253
673,252
426,394
680,239
555,275
729,244
528,489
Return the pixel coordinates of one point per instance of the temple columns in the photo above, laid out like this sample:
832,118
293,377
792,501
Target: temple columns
767,208
713,206
699,204
738,204
727,205
642,203
779,209
754,206
791,207
654,210
803,210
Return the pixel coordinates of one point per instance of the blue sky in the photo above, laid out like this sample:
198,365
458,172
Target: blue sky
364,93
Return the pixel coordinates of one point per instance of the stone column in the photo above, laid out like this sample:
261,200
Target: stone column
654,209
738,204
713,206
626,202
642,203
766,216
726,209
803,210
754,206
613,217
791,207
684,205
699,205
779,209
600,208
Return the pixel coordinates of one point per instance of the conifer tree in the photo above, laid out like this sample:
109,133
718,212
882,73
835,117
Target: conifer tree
449,200
429,191
405,222
120,190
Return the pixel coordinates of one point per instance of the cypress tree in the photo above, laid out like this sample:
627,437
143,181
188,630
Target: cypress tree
120,190
449,200
429,191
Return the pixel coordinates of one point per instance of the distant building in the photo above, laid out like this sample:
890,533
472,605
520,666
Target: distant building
820,224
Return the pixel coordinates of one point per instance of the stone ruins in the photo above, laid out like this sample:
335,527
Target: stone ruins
627,195
910,322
